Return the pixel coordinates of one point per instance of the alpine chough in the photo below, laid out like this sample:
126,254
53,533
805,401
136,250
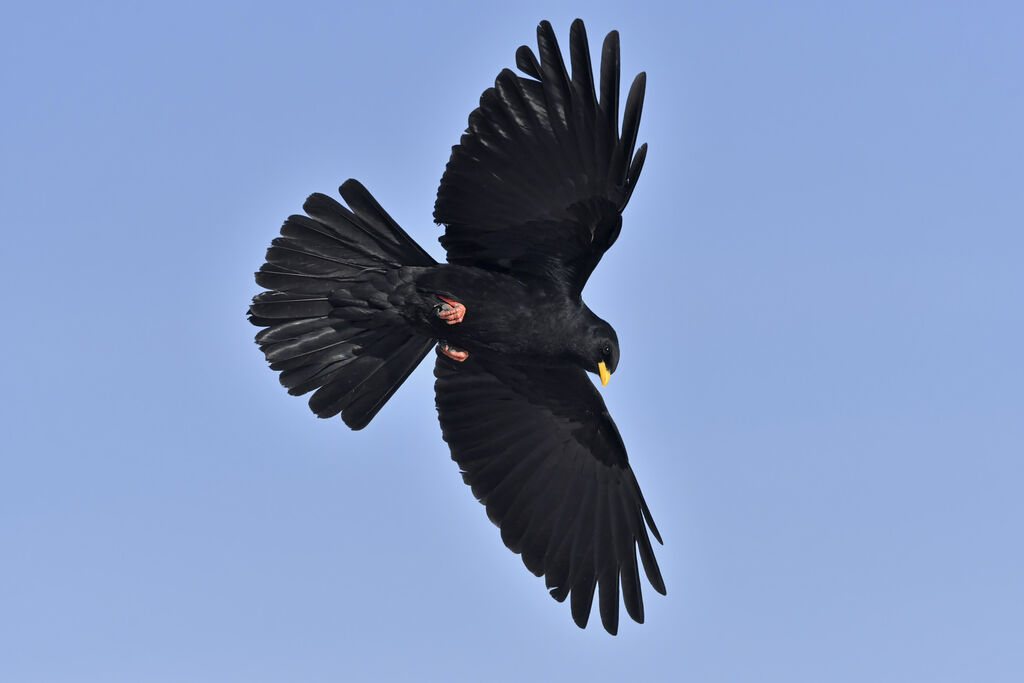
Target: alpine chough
530,200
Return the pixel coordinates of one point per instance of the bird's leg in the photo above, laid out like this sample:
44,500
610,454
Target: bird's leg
450,311
452,352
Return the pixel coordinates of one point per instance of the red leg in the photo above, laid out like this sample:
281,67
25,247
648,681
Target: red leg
450,311
453,353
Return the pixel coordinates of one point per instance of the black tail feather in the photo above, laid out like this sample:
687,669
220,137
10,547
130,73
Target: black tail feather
368,381
328,326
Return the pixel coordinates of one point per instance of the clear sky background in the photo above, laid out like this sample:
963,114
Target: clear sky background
818,292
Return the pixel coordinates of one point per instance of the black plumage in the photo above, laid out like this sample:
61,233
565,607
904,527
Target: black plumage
531,199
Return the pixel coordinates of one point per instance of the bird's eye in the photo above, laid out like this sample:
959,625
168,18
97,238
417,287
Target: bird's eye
607,350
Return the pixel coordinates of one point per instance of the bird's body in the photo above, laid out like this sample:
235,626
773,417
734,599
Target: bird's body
527,322
531,199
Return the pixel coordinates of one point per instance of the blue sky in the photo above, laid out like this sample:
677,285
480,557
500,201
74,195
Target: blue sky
817,292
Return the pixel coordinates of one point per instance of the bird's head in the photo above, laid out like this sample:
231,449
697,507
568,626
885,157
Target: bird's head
601,353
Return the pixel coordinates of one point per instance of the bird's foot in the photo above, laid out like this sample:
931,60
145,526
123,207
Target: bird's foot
452,352
450,311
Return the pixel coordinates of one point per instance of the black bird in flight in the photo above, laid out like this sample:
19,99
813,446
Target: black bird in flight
531,198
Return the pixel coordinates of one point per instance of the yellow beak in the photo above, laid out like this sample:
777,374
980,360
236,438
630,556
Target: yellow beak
605,375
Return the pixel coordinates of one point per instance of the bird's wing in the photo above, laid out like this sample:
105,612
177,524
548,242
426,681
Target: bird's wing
541,453
539,180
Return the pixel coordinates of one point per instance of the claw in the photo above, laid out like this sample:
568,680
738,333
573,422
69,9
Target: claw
450,311
452,352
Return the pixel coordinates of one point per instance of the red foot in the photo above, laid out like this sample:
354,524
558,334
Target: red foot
452,352
450,311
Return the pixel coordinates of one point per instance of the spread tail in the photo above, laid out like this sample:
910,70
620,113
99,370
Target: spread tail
329,326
